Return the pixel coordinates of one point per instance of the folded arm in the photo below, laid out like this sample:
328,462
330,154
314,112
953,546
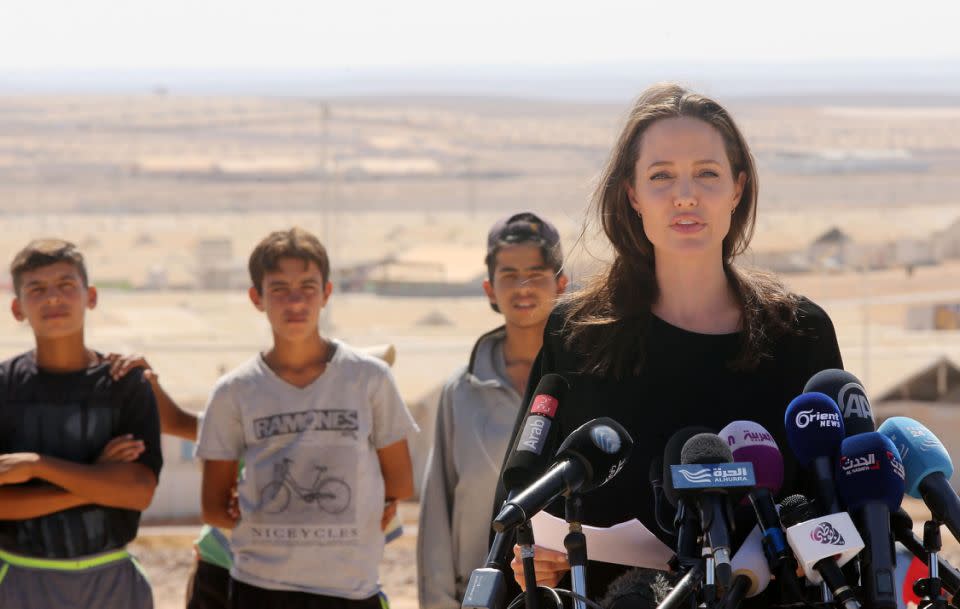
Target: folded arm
25,502
120,485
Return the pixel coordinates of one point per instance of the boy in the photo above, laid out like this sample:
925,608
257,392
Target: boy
479,405
321,429
69,500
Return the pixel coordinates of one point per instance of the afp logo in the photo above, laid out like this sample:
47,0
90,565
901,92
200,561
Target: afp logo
852,400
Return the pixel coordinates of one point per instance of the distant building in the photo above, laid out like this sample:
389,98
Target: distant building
946,243
215,267
942,316
831,250
931,395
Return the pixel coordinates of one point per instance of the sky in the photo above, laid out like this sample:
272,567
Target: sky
317,34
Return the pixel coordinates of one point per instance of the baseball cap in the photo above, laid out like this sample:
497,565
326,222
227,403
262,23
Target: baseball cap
523,227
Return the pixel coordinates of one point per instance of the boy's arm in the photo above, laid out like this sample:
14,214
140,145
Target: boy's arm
174,420
219,480
397,470
25,502
120,485
436,566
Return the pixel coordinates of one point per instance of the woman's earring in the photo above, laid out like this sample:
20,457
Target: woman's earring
639,215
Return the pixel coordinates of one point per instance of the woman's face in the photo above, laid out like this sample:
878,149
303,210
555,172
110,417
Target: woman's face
684,188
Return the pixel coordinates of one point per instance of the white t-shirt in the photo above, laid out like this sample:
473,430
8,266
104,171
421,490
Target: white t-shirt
311,494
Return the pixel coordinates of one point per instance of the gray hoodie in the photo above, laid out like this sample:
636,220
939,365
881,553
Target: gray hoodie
475,418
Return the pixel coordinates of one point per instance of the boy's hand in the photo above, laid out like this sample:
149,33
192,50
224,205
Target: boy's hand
389,511
233,506
121,365
122,449
17,467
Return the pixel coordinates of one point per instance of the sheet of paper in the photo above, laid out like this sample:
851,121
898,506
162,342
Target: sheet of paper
627,543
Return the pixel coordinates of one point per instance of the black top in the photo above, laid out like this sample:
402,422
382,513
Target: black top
72,416
686,380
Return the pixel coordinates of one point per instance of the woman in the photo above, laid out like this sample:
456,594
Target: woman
673,333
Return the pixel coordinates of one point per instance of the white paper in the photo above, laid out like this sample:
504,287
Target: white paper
627,543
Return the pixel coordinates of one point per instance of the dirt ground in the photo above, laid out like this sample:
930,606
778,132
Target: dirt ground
168,559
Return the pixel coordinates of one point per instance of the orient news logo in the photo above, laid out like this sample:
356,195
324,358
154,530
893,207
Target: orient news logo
821,419
827,535
608,440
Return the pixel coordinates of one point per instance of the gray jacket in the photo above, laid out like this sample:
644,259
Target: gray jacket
475,418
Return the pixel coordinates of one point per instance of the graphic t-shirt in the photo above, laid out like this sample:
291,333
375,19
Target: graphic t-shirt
72,416
311,493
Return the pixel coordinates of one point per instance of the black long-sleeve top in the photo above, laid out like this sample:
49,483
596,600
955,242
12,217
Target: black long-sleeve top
686,380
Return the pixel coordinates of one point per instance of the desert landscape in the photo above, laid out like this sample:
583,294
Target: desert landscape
167,194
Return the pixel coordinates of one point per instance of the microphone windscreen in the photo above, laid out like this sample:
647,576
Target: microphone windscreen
533,451
671,456
750,441
814,427
705,449
602,445
921,451
847,391
795,509
869,471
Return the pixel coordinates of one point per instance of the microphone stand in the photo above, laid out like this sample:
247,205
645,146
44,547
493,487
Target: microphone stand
929,589
575,543
525,540
688,560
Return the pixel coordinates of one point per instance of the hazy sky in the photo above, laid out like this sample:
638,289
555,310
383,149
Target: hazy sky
122,34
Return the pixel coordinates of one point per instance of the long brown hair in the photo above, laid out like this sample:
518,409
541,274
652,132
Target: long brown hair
607,319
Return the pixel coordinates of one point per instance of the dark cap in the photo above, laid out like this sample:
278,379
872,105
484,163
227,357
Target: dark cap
524,227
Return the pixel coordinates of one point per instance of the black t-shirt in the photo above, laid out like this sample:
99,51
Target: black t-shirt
72,416
686,380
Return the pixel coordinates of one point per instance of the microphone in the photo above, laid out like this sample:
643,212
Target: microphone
589,457
709,487
660,512
751,573
848,392
927,467
814,433
822,545
902,526
529,457
534,448
686,523
870,478
751,442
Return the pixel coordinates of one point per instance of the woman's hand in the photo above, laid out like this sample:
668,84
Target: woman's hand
549,565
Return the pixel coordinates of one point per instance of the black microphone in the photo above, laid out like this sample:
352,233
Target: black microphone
713,503
815,549
660,505
686,523
870,479
528,459
847,391
902,526
589,457
533,451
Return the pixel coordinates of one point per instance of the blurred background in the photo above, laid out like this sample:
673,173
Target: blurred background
167,138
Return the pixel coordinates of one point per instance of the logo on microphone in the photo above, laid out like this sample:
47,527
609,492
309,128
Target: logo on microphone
545,405
697,477
606,439
827,535
855,465
853,399
826,419
897,465
720,475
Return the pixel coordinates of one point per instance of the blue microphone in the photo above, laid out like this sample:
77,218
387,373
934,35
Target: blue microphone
870,478
928,469
814,432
